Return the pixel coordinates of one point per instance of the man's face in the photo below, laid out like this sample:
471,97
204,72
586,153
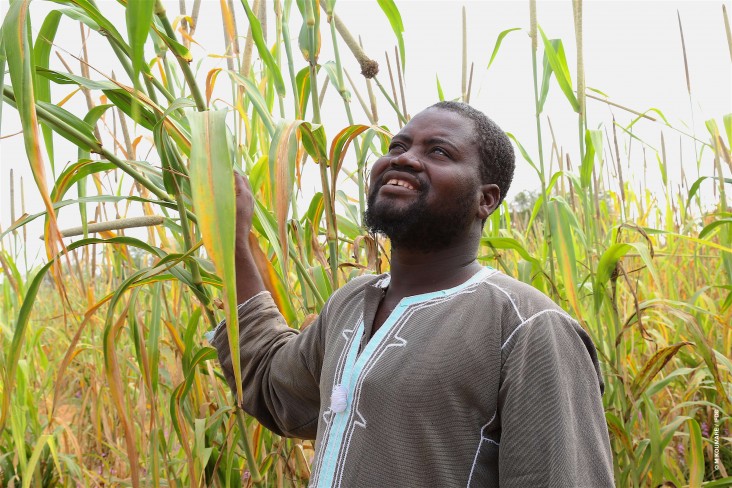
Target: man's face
425,192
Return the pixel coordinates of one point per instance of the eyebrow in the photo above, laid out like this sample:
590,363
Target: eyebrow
400,137
440,140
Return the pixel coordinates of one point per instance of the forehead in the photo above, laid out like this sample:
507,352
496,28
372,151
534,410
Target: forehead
440,123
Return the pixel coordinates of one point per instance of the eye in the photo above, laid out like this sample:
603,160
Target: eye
440,151
396,148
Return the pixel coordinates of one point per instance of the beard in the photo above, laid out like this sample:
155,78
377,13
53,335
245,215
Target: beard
417,227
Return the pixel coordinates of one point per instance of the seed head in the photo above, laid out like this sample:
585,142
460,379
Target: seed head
369,68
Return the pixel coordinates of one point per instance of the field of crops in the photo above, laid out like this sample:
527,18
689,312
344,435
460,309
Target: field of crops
107,379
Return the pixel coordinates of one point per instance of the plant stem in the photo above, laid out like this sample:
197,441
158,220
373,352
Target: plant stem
391,102
184,66
332,233
246,446
537,111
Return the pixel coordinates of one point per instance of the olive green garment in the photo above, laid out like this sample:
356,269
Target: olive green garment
486,384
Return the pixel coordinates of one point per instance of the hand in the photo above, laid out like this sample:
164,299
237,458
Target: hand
244,210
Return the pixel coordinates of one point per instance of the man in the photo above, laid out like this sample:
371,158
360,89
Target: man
442,372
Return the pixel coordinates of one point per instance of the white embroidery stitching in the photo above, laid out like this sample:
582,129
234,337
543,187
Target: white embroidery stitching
509,298
352,423
480,444
560,312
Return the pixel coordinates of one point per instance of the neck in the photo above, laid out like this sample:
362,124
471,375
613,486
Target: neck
415,272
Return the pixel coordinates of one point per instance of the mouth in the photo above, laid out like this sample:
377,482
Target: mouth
406,181
402,183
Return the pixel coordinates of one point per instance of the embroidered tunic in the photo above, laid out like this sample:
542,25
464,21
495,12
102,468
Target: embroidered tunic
485,384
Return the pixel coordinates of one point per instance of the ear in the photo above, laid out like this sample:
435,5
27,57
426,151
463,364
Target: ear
490,195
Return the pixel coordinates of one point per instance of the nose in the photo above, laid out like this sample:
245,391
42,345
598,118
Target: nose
408,160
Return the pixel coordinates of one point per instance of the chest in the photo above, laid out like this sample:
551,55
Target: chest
438,354
384,309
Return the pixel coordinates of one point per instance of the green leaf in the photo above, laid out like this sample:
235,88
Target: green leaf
727,120
103,24
76,172
282,161
331,69
538,205
260,105
395,19
72,79
302,82
593,146
16,38
90,118
608,262
139,16
524,153
153,336
563,244
695,458
131,107
440,94
264,53
79,15
546,75
558,62
497,46
41,54
68,119
654,434
31,466
720,483
695,186
710,227
512,244
21,324
204,354
314,141
644,378
212,188
176,47
339,146
3,60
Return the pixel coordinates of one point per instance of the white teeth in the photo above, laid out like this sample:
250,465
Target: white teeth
401,183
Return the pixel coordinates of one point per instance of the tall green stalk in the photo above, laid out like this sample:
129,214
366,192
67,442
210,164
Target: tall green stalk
537,111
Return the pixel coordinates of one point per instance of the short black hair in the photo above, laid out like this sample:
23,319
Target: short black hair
494,147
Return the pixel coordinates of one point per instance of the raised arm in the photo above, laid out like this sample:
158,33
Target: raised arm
248,280
280,367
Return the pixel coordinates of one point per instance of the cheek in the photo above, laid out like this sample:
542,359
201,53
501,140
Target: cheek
377,169
455,183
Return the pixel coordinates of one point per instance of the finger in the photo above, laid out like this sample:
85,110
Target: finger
245,182
239,185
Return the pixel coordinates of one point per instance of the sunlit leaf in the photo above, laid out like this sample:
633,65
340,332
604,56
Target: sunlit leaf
19,52
41,54
264,53
395,19
139,15
560,69
212,188
497,45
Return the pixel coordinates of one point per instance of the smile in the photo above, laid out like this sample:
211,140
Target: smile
402,183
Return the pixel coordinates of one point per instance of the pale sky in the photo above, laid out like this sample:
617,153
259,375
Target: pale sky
632,53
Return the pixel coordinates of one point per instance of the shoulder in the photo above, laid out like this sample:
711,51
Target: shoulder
526,299
535,317
543,329
519,304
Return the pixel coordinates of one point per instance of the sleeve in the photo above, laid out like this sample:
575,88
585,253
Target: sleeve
553,428
280,368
